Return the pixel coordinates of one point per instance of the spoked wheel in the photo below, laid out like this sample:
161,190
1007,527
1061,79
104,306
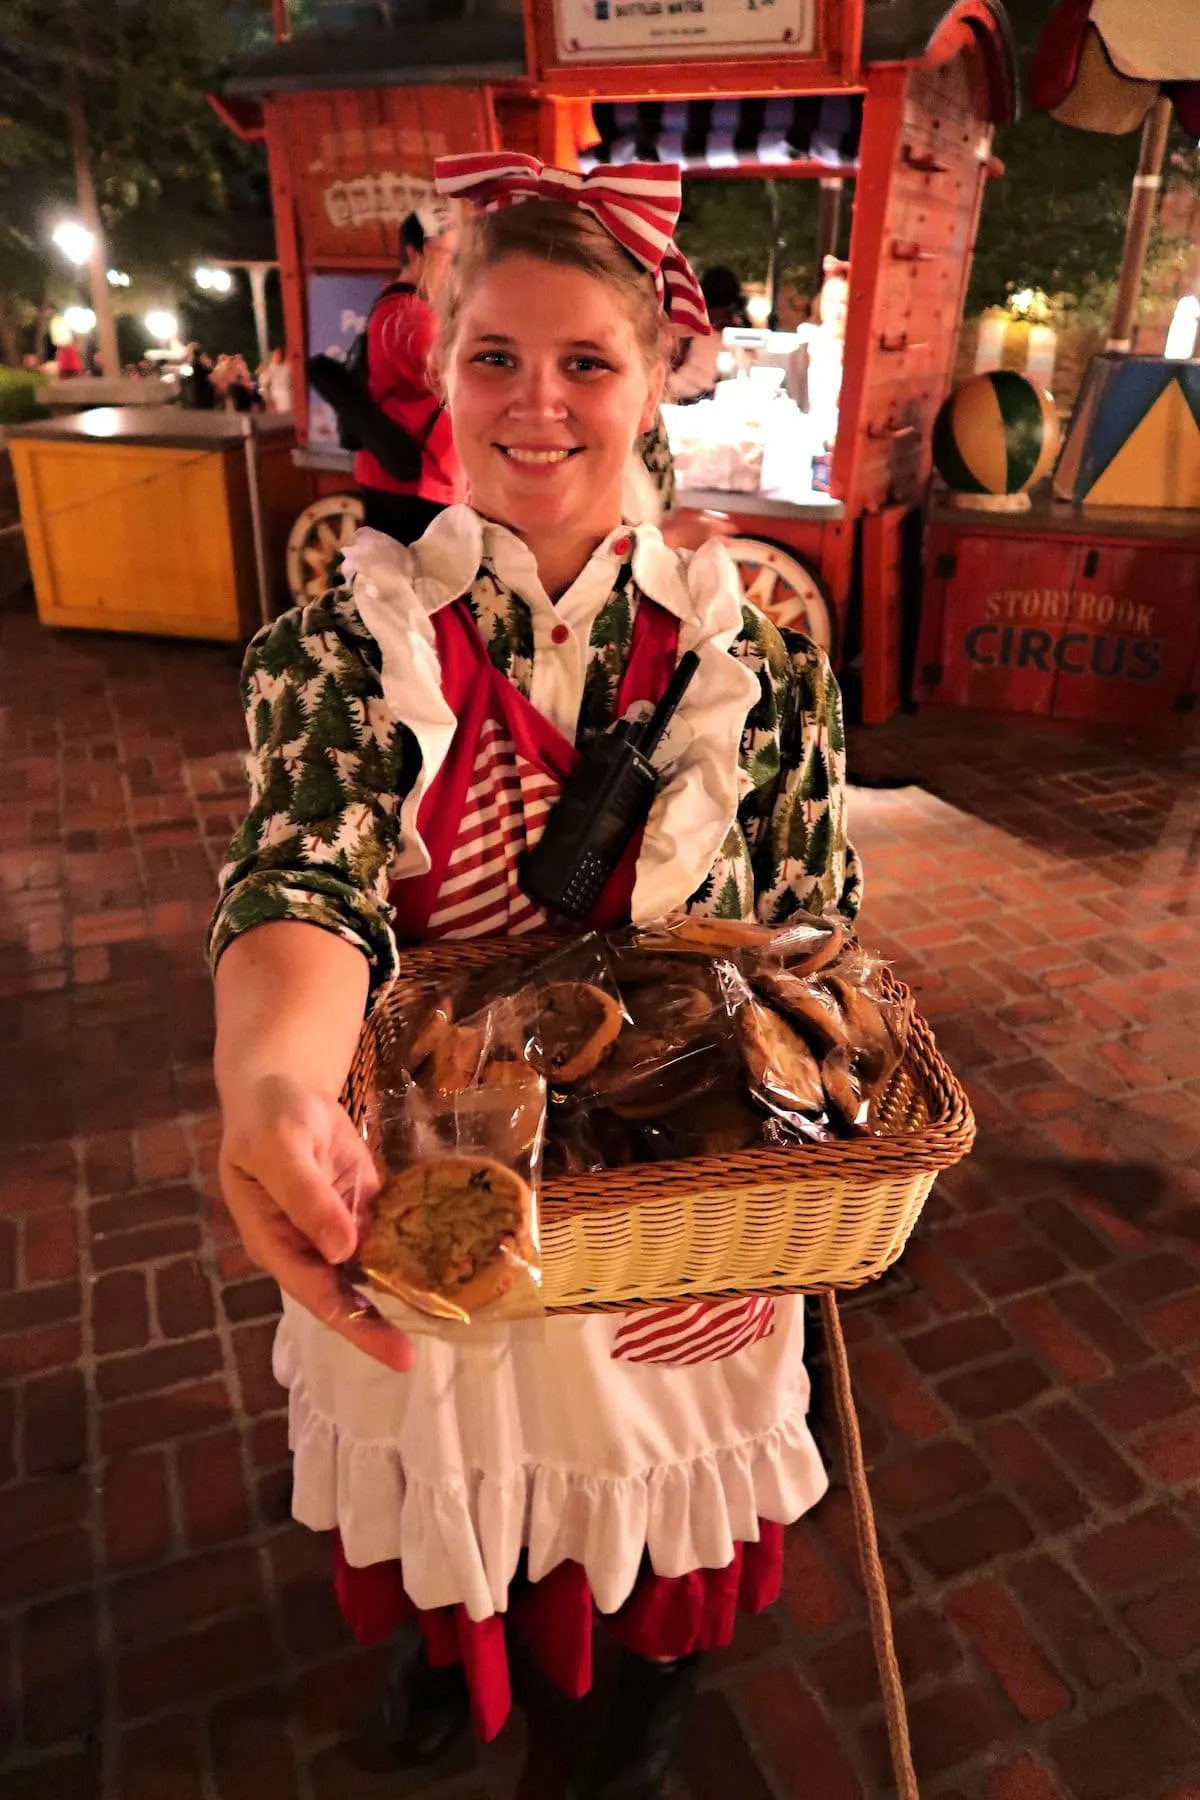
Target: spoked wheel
783,587
319,534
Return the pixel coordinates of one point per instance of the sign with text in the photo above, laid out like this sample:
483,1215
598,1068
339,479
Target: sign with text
361,161
666,30
1106,631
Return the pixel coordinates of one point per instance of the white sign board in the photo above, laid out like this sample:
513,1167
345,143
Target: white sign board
665,30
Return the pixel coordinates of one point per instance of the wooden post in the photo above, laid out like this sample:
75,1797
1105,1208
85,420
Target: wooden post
1146,184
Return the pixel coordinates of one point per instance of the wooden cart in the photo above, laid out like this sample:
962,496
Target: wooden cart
158,519
897,97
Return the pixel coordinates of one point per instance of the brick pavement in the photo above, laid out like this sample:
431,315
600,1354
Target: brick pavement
1029,1376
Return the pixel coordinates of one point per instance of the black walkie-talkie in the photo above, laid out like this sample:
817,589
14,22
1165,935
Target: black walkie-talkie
600,808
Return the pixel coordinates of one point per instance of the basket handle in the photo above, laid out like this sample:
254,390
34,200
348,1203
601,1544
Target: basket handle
874,1580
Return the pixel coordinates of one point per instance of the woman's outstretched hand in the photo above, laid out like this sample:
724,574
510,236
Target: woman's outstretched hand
293,1170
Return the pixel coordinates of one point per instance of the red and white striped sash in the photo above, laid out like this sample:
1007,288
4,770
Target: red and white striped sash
505,813
702,1331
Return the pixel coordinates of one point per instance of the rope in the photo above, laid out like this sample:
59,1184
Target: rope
868,1552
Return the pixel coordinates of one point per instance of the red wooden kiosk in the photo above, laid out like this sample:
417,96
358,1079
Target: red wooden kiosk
899,96
1084,609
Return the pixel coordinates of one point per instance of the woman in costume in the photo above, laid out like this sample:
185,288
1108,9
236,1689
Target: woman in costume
405,734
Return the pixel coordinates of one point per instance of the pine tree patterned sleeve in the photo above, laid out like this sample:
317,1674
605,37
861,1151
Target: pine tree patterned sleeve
328,770
811,865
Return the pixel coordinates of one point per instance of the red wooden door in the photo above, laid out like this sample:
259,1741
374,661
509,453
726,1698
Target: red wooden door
1127,652
1004,602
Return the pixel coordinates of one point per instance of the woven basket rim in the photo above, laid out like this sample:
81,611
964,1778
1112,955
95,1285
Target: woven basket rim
861,1163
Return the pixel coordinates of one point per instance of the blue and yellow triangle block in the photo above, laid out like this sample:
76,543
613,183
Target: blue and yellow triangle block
1135,436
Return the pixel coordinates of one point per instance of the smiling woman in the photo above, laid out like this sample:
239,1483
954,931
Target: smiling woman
543,1469
546,403
548,400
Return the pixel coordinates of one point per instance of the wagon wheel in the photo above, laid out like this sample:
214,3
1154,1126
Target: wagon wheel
781,586
319,534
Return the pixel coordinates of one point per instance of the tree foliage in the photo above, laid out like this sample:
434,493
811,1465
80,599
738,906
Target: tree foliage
162,161
1056,220
731,221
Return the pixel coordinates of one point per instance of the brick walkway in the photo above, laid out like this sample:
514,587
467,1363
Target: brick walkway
1029,1377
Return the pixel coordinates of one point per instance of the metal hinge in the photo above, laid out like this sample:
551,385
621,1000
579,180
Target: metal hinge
946,565
931,675
1091,563
1186,701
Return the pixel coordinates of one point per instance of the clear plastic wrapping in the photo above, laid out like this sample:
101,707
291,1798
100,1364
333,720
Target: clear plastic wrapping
696,1037
458,1136
839,1024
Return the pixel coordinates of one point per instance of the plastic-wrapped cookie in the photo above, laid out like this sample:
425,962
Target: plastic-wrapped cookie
455,1227
867,1028
431,1026
454,1063
669,1017
577,1024
781,1068
656,1092
809,1005
715,1124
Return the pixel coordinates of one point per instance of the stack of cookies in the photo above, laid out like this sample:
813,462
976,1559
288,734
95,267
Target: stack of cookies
703,1038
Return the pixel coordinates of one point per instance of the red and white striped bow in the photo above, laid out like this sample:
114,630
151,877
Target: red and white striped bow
637,204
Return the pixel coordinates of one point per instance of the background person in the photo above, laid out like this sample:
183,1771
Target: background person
275,382
401,332
694,374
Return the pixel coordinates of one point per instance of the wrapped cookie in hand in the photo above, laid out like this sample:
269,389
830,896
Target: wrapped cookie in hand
452,1236
452,1232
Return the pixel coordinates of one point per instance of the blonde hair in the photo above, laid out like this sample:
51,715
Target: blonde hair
553,232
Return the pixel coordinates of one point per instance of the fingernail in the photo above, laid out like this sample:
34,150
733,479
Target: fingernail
334,1247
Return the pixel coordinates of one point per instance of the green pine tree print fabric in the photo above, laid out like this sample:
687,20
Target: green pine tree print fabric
329,770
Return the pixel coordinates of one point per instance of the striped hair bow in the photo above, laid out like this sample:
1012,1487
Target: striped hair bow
637,204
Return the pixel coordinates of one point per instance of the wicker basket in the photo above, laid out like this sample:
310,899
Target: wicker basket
761,1221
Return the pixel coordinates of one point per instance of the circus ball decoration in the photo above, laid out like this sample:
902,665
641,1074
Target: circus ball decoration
993,439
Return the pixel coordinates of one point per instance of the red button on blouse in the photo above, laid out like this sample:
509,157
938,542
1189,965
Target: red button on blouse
560,634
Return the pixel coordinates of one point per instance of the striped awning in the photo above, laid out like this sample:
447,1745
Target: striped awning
730,134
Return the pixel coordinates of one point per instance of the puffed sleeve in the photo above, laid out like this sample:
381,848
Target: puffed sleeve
328,769
805,860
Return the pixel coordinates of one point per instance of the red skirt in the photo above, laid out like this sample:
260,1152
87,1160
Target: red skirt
661,1619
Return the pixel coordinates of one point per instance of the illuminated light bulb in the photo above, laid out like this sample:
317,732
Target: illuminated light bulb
74,240
1185,326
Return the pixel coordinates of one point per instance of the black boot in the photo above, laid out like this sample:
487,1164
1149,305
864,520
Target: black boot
640,1731
423,1716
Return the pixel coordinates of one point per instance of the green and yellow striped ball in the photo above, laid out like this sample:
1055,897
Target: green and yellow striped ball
996,434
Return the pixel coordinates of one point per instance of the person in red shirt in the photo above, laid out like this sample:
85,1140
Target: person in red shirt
68,360
400,338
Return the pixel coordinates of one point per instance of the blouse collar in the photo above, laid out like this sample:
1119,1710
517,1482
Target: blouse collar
443,564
